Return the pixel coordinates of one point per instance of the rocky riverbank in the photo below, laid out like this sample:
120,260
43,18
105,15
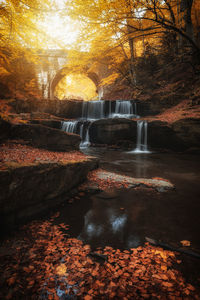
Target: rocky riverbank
33,181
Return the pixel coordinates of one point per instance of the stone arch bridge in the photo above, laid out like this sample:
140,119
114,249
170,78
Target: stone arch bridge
50,69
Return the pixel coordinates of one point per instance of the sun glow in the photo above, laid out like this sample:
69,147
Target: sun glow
61,30
76,86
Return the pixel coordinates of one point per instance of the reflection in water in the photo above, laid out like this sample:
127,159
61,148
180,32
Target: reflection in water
140,166
133,241
118,223
93,230
106,224
122,218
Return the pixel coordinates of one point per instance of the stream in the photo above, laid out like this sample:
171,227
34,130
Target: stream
122,218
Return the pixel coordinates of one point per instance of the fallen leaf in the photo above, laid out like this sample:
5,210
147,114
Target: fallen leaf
185,243
61,270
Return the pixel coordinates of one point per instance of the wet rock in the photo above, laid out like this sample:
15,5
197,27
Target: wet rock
44,137
64,108
110,131
162,136
188,130
161,185
39,115
49,123
5,130
92,188
27,191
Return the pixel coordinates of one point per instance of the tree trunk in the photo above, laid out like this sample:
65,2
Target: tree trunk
186,7
132,69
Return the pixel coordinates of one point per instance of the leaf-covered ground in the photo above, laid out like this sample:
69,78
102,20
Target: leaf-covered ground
184,109
15,152
43,262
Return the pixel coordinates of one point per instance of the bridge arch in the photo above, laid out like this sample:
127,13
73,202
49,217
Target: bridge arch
65,72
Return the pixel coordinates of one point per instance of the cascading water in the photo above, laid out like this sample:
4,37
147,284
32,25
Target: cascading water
69,126
94,110
123,109
85,142
81,131
141,146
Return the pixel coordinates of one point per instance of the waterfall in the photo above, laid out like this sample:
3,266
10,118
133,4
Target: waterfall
81,131
85,139
93,110
141,146
84,109
124,108
69,126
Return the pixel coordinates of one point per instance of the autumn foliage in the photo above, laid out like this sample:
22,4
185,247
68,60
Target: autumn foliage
45,263
23,154
184,109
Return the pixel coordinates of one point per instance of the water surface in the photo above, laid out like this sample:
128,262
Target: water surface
123,218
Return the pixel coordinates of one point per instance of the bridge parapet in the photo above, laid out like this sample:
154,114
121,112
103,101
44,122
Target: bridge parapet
49,72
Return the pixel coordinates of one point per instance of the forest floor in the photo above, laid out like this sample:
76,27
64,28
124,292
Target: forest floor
15,152
42,262
185,109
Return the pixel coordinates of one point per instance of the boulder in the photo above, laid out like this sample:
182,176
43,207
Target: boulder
27,191
120,181
162,136
45,137
188,130
5,129
111,131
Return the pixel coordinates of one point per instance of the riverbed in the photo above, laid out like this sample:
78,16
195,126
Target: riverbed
122,218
